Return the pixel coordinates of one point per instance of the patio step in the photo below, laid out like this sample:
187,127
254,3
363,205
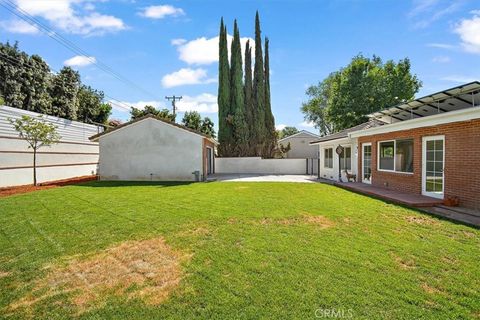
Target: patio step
452,214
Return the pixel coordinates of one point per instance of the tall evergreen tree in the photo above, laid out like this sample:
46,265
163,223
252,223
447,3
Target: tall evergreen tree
225,128
259,90
249,105
270,134
240,127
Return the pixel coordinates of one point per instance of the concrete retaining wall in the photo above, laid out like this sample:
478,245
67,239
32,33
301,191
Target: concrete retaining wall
260,166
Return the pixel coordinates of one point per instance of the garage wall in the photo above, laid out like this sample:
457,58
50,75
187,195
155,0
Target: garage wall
300,146
258,165
73,156
150,150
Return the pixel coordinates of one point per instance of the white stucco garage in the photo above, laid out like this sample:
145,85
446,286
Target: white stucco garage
152,149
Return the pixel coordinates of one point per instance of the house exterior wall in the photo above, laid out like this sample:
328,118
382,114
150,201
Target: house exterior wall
462,159
150,150
332,173
207,144
300,146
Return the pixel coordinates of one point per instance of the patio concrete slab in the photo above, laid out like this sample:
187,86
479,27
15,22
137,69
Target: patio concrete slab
242,177
408,199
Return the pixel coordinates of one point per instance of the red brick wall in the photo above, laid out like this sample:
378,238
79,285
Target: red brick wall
462,161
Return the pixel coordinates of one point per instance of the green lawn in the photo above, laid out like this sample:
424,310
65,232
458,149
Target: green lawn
254,250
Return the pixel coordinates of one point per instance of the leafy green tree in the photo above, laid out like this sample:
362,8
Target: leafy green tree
36,81
192,120
287,131
165,114
249,104
240,127
225,123
12,65
65,86
259,134
207,127
365,86
270,133
37,133
91,107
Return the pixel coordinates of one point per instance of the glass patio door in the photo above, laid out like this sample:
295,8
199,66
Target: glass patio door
433,165
367,163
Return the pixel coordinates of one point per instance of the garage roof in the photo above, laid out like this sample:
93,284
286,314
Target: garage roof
456,98
98,135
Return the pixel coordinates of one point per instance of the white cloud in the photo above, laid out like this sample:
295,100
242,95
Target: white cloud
161,11
459,78
426,12
18,26
441,59
178,42
441,45
186,76
72,16
469,32
204,51
280,126
307,124
203,103
80,61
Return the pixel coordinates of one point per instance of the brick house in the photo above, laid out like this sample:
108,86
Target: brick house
428,146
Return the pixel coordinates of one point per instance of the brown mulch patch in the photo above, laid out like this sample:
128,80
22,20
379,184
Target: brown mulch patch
148,270
8,191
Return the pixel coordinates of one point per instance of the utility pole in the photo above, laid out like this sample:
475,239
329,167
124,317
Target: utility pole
174,99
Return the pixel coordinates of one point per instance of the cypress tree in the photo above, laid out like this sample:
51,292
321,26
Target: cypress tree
225,130
259,91
249,106
237,105
270,134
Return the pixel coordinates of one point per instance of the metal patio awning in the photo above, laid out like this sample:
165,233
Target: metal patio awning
457,98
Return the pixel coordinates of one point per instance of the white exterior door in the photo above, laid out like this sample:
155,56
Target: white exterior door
433,164
367,163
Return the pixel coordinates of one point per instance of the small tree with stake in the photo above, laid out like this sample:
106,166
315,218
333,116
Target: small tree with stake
38,134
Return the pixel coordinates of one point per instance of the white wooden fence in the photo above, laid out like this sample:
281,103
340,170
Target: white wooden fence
257,165
73,156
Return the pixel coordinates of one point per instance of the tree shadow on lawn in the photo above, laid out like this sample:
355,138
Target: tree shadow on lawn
114,184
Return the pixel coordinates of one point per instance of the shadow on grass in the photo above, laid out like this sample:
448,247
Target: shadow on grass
114,184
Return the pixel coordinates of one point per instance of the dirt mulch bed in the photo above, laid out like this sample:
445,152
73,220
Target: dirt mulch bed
8,191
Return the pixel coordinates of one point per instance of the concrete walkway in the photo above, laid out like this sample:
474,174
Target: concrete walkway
243,177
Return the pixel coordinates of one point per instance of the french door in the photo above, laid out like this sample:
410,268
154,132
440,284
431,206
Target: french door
433,164
367,163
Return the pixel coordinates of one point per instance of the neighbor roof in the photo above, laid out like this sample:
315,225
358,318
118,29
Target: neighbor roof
98,135
300,132
456,98
344,133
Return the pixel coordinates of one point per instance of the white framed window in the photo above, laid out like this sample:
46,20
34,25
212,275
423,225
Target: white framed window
328,158
396,155
346,158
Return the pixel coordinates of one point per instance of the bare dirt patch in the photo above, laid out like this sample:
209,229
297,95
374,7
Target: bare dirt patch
5,192
405,264
148,270
421,220
321,221
4,274
429,289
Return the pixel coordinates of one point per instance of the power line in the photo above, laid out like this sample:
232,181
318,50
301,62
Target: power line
11,7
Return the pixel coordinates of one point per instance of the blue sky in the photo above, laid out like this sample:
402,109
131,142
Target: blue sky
170,47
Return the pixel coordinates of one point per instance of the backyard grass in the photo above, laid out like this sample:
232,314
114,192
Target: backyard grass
230,250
